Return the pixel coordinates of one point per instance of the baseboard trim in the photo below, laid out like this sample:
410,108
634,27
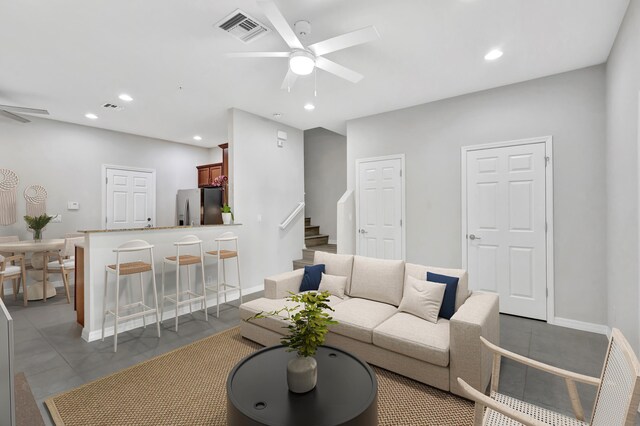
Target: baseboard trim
91,336
581,325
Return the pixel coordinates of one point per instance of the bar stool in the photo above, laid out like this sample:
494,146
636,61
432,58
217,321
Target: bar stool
185,260
126,269
221,255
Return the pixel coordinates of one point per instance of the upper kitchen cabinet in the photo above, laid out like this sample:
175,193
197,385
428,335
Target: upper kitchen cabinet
207,173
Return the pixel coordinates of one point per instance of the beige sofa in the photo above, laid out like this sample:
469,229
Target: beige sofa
371,327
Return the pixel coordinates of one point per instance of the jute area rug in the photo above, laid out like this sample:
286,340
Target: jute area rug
188,387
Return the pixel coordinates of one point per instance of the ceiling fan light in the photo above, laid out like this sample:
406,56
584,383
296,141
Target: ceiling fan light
302,63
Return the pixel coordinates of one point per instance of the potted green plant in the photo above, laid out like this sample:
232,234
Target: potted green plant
37,224
227,214
308,325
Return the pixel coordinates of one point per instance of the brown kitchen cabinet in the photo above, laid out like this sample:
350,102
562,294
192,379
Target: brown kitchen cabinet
207,173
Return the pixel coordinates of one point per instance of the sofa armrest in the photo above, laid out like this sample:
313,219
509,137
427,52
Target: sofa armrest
470,360
279,286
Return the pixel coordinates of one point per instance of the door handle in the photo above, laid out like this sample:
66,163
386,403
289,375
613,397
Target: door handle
362,231
473,237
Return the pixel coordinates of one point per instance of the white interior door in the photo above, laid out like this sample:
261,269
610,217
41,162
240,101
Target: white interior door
506,226
130,198
380,209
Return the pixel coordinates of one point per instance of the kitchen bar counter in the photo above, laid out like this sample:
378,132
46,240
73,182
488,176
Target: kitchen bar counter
95,231
98,252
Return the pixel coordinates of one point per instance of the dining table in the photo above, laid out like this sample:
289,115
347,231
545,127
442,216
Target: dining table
37,248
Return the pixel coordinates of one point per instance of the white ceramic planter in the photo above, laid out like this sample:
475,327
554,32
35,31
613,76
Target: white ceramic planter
226,218
302,374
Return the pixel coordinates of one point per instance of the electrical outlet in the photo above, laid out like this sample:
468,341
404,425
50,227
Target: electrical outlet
57,219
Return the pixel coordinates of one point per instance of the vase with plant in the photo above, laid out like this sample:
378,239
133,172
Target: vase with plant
308,326
227,214
37,224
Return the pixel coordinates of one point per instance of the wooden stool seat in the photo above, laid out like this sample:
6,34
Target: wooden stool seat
224,254
132,267
185,259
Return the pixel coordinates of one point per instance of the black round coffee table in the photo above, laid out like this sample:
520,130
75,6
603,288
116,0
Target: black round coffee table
346,393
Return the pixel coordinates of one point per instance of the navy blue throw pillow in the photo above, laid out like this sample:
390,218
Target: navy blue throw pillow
311,278
448,307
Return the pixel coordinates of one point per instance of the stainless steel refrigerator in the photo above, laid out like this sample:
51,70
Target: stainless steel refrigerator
200,206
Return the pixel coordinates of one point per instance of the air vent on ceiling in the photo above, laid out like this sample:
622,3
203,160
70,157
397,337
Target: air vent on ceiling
242,26
113,107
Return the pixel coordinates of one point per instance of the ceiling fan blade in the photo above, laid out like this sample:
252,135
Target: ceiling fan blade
339,70
281,25
14,116
289,80
25,110
259,54
353,38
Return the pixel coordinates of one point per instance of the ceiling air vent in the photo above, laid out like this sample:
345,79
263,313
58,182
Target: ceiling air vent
112,107
242,26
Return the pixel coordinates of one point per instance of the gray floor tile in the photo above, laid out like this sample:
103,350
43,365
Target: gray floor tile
52,381
512,378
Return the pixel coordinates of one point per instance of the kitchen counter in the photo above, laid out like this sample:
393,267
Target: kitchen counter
94,231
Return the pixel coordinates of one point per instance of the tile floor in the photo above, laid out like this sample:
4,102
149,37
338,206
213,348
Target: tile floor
54,358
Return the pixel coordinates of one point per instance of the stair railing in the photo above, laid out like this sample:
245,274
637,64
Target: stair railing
292,216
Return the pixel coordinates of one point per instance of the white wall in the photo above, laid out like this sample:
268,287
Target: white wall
623,86
67,160
267,184
568,106
325,177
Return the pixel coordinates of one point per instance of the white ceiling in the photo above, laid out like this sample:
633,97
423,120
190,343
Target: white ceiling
71,56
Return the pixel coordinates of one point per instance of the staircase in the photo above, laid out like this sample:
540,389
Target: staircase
314,241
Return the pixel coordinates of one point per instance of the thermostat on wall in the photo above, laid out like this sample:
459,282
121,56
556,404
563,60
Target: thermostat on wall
73,205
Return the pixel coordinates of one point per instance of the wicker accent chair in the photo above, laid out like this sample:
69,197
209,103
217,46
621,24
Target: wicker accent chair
616,402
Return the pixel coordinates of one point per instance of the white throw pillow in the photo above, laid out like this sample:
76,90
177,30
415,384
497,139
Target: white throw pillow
422,299
334,284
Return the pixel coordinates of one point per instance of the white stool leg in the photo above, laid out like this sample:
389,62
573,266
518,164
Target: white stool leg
155,293
115,328
144,317
224,279
161,294
204,292
218,287
177,291
189,287
104,302
239,285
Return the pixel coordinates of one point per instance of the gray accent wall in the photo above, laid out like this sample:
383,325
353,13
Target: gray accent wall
623,88
325,177
570,107
67,160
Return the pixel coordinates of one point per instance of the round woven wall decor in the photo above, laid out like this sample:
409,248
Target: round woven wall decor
35,194
8,180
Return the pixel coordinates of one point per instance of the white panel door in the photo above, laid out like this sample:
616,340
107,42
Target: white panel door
130,199
380,204
506,220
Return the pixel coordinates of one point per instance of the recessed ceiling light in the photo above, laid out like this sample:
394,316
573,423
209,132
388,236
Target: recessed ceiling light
125,97
493,55
198,138
309,107
91,116
277,115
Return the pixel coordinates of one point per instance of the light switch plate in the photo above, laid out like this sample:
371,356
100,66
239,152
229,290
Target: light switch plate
73,205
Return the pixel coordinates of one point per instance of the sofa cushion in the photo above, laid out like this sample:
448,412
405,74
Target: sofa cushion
334,284
277,324
420,272
423,299
381,280
358,317
335,264
448,306
414,337
311,278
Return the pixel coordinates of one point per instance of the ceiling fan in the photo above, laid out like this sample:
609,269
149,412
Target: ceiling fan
303,60
5,110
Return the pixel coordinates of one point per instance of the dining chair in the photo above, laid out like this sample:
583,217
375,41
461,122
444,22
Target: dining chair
12,268
64,263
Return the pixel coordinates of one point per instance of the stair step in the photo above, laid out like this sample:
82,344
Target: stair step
307,221
301,263
308,253
311,230
316,240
